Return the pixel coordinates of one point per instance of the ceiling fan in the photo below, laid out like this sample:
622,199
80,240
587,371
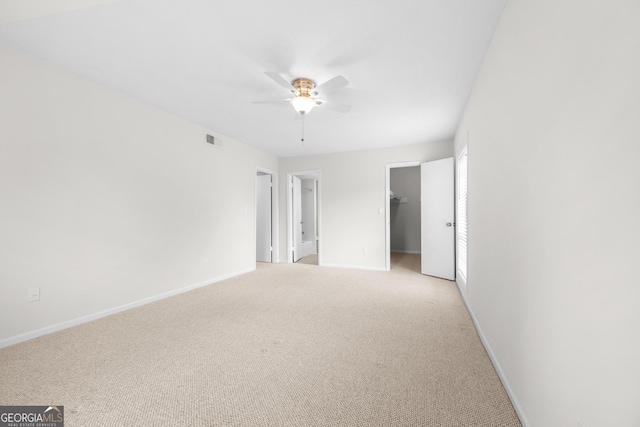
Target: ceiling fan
306,94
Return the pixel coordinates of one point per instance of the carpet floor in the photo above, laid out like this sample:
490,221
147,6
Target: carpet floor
309,259
286,345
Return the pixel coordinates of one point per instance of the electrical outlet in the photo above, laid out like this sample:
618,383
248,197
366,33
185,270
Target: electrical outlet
33,295
205,261
364,249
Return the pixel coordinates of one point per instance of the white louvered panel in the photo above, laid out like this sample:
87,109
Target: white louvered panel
461,221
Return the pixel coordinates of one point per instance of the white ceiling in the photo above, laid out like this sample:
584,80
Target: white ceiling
411,64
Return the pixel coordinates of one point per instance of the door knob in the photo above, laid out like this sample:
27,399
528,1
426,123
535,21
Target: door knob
449,224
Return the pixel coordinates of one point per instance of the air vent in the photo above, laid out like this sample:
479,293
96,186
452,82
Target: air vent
213,140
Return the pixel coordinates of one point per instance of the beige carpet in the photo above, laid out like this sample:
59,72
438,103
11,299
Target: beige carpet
309,259
286,345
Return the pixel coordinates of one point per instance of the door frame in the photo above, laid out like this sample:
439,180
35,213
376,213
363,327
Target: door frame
309,174
387,217
274,212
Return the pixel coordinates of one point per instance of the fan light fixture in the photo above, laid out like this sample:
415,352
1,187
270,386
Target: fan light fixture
303,102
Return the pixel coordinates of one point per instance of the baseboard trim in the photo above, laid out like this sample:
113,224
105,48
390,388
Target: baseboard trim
88,318
494,361
355,267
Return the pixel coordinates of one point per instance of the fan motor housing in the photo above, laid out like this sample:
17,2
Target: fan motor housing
303,86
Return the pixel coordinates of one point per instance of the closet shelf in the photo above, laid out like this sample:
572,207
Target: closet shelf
393,199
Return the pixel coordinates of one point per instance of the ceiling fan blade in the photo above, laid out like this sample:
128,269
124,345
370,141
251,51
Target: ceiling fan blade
280,80
272,101
331,85
335,106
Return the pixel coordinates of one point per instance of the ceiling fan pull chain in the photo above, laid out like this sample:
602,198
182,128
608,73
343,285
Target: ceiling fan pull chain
302,137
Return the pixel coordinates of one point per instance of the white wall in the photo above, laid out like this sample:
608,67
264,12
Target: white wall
106,201
352,190
405,217
554,198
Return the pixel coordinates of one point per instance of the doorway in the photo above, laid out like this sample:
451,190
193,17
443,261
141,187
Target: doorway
303,217
397,201
437,226
266,215
404,218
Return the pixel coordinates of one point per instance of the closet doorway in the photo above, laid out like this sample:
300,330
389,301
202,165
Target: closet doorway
303,217
404,216
437,220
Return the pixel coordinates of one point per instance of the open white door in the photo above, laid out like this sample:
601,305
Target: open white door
263,218
296,200
437,218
